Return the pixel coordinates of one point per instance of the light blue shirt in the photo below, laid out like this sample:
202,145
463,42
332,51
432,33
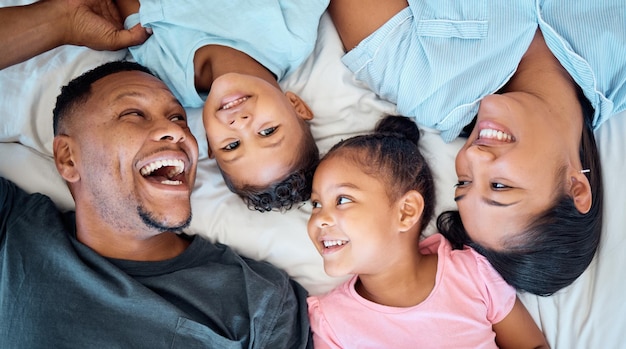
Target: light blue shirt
437,59
279,34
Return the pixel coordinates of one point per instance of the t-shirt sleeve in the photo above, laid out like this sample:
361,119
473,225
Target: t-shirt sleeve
500,296
8,191
323,335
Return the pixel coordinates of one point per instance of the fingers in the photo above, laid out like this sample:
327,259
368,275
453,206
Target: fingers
136,36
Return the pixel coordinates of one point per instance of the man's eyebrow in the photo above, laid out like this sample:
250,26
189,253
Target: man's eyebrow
488,201
137,94
125,94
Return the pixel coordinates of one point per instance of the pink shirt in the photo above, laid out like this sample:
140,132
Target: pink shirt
469,296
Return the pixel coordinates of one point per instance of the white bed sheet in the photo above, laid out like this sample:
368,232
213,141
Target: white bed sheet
589,314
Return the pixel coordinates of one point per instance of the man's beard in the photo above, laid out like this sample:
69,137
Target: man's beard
150,221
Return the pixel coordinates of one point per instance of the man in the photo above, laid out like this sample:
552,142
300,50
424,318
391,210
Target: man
119,272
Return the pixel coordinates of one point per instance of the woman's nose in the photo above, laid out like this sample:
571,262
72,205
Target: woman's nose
479,153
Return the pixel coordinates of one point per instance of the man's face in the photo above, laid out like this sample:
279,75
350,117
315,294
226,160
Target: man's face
134,155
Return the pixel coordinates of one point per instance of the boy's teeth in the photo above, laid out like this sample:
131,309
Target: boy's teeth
331,243
234,103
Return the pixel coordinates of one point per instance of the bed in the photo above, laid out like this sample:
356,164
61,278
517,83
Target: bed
591,313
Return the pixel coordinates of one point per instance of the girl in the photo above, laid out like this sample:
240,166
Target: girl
372,195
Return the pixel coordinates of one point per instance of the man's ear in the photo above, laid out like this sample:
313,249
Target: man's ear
302,109
580,191
411,206
62,147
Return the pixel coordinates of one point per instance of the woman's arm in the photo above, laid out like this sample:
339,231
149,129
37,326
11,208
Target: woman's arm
519,330
357,19
29,30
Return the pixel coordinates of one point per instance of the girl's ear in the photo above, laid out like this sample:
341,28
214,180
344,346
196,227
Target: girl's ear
210,151
580,191
411,208
64,158
301,108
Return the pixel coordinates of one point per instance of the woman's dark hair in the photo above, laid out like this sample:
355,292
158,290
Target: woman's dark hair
78,90
557,247
291,190
391,154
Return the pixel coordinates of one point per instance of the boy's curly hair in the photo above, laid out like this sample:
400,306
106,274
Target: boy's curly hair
291,190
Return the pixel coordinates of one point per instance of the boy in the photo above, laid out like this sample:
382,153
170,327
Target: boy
233,55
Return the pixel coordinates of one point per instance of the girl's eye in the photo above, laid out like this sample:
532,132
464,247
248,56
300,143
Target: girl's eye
461,183
343,200
316,204
231,146
268,131
499,186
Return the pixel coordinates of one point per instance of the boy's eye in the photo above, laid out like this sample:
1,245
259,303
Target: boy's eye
268,131
231,145
343,200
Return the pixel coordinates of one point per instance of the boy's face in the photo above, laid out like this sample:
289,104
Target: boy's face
253,128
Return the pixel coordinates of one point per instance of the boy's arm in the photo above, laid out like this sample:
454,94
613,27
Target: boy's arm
357,19
27,31
519,330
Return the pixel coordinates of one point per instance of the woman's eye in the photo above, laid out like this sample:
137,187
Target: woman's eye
499,186
343,200
268,131
231,145
461,183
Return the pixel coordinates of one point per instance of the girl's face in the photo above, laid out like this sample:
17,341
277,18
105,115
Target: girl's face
514,165
353,224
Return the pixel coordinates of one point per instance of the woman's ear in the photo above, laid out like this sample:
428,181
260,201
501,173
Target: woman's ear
301,108
411,208
64,158
580,191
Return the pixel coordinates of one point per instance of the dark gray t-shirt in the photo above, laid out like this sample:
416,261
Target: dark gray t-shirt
56,292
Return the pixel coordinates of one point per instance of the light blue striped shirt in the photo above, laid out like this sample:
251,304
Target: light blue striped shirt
279,34
438,58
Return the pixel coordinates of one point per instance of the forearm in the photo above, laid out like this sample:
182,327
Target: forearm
27,31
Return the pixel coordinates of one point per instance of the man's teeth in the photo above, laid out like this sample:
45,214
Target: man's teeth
488,133
234,103
331,243
176,167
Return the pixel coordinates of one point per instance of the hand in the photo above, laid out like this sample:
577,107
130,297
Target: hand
97,24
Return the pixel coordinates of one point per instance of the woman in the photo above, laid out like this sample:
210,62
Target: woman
530,191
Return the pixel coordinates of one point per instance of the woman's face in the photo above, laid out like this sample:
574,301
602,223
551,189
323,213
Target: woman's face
513,166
